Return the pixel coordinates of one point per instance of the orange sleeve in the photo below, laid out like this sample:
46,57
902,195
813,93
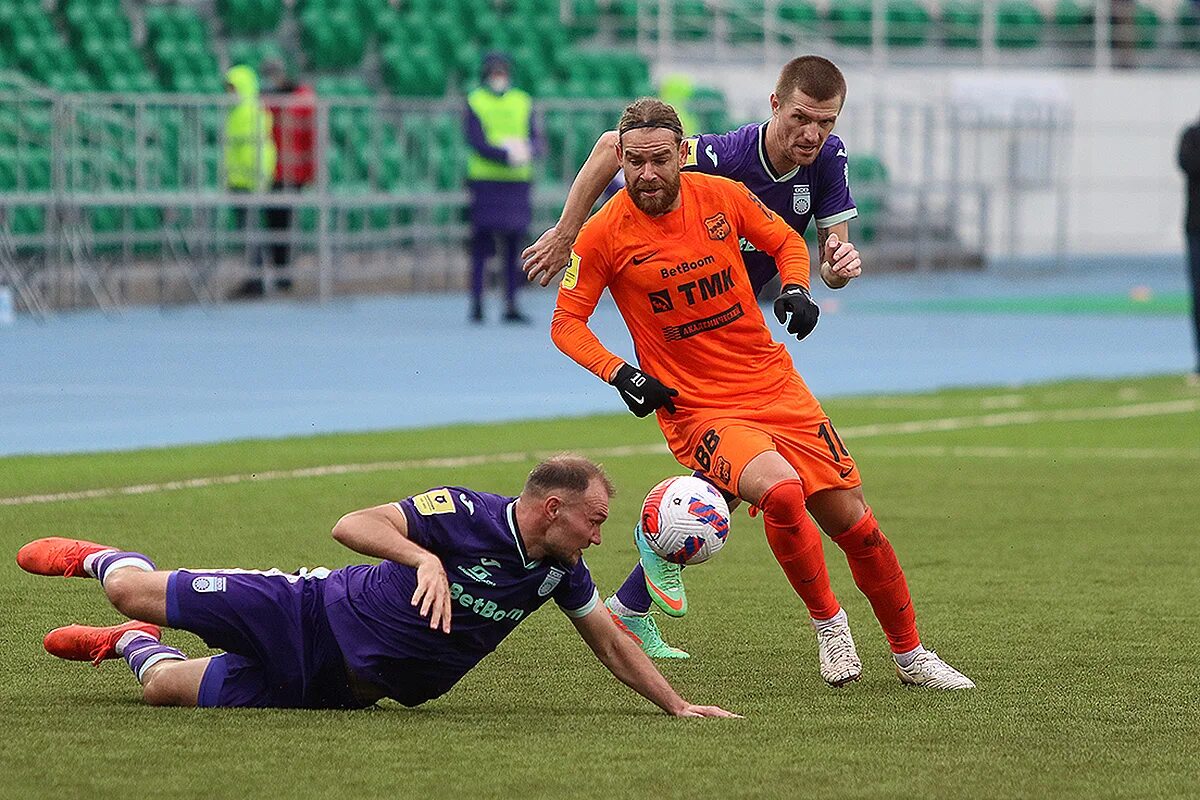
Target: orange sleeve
582,285
765,230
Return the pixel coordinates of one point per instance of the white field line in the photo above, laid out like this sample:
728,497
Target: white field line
859,432
1043,453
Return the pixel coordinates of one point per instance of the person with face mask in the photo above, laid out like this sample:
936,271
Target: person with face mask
503,137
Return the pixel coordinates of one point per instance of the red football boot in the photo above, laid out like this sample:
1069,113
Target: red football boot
57,556
85,643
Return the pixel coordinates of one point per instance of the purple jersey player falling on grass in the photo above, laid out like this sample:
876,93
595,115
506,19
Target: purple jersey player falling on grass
461,570
798,169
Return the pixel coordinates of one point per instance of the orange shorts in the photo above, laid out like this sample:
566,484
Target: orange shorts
722,446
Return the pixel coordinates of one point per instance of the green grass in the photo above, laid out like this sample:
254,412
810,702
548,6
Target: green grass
1166,304
1053,561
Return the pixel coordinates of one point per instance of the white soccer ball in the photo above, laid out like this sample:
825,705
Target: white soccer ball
685,520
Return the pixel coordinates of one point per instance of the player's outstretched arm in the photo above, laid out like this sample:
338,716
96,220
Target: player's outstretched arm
840,261
382,532
631,666
549,255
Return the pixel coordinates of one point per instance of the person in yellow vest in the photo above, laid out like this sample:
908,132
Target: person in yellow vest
249,161
504,139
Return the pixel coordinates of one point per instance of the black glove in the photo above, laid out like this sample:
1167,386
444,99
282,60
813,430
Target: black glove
641,392
796,299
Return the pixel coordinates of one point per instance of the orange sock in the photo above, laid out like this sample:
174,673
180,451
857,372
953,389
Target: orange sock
877,572
796,543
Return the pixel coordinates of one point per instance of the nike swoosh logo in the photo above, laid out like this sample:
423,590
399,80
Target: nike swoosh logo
675,605
637,262
635,398
846,472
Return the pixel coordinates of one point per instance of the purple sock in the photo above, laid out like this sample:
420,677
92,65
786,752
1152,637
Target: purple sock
146,651
106,562
633,593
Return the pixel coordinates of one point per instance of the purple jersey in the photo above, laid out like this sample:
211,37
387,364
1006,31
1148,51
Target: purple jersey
493,584
820,190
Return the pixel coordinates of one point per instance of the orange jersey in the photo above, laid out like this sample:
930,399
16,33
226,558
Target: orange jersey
681,286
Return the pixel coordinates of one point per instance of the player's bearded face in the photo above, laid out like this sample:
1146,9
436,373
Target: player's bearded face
801,125
650,160
576,524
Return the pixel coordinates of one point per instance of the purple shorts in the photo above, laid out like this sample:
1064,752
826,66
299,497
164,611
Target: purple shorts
280,651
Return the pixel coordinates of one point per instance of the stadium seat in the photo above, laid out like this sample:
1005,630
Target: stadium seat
908,23
1019,24
1188,22
250,17
1073,21
868,182
1146,24
850,22
745,21
799,21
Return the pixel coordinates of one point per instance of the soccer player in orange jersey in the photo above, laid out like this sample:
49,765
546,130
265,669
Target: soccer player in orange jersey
726,395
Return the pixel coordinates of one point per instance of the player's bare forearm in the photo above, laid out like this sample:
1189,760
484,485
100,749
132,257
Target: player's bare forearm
382,532
626,661
839,258
546,257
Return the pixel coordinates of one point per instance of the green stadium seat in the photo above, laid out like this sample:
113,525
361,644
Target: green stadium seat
691,20
962,21
1019,24
585,19
1146,24
744,20
868,179
908,23
1073,23
850,22
1188,22
798,21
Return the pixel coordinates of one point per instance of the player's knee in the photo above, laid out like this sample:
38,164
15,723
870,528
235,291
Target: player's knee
161,690
124,590
784,500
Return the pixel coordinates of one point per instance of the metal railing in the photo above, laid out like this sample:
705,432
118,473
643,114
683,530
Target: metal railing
1100,34
118,199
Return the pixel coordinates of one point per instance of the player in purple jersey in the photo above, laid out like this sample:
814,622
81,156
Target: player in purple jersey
794,164
461,569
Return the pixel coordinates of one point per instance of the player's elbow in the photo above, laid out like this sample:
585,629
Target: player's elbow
560,330
343,529
607,141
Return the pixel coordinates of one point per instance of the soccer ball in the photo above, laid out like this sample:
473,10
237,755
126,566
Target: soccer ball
685,520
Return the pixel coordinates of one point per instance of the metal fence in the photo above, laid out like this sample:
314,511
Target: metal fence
107,200
1158,34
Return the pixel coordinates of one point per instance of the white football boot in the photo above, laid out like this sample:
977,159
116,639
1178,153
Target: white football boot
835,649
927,669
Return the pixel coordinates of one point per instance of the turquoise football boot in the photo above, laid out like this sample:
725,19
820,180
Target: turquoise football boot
644,631
664,579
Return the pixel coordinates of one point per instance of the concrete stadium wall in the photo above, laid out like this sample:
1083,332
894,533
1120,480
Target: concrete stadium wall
1122,190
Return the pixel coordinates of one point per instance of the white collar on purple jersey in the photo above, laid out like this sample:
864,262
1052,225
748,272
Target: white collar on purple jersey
511,513
766,162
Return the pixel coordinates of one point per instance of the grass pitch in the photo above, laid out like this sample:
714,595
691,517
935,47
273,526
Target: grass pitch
1049,536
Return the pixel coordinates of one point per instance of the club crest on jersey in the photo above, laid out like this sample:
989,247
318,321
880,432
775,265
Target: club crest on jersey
718,226
552,579
801,198
208,584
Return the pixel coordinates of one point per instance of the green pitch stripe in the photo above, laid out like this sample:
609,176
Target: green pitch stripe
1171,304
942,425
